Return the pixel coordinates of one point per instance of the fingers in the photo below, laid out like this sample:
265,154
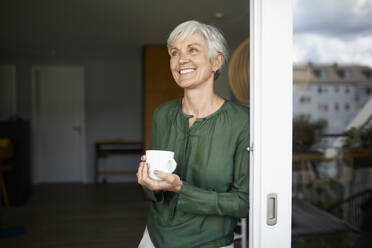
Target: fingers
170,182
145,171
143,158
142,173
164,176
143,177
139,173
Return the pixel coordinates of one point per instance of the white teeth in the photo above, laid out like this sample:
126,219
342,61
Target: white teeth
186,71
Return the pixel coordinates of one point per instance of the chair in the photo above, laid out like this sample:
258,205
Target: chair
243,232
6,153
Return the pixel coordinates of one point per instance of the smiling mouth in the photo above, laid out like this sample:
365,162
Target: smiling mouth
184,71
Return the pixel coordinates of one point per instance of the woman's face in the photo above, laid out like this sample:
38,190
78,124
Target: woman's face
189,62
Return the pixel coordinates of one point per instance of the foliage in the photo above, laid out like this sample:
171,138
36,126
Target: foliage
306,133
359,139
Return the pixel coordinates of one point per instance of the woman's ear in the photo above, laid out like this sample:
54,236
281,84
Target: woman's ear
217,62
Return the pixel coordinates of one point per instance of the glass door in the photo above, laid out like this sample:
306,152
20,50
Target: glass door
332,127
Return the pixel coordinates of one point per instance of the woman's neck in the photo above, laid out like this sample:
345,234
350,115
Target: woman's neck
200,103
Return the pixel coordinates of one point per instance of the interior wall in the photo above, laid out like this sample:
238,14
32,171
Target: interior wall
114,109
113,101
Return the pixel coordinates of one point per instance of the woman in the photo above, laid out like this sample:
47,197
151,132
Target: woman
199,204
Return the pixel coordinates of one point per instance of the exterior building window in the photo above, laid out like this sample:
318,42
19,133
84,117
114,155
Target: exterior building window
305,99
323,107
347,107
337,107
347,90
321,73
368,91
344,73
367,73
347,74
337,89
322,89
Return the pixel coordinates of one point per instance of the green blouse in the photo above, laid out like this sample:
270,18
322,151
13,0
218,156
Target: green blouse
213,164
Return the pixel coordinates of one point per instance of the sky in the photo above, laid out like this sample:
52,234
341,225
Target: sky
333,31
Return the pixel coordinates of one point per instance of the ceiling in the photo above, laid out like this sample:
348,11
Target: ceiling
37,27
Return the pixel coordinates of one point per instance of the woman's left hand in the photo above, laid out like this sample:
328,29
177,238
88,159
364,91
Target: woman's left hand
169,182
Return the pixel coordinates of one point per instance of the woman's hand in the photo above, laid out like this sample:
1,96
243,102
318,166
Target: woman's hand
169,182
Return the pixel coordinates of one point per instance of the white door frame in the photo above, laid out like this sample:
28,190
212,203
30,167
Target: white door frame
35,141
271,121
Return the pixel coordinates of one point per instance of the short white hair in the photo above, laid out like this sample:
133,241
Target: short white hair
214,37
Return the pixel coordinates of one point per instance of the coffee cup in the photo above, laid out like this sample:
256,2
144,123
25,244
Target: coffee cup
161,161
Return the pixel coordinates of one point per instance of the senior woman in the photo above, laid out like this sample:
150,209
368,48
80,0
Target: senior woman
200,203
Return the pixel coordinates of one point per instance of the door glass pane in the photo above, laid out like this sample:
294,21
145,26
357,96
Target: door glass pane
332,125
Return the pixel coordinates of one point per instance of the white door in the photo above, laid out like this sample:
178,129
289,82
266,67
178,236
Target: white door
58,124
271,126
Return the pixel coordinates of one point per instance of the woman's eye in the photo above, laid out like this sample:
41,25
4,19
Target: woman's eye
193,50
174,53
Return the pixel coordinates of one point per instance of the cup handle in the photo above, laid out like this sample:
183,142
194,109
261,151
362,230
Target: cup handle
173,164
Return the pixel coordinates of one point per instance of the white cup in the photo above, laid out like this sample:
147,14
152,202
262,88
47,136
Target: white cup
161,161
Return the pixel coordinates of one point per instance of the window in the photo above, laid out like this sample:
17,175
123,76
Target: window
320,73
322,89
344,73
337,89
323,107
305,99
337,107
367,73
368,90
347,90
347,74
347,107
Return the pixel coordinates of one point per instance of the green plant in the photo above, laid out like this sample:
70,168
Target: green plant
359,139
306,133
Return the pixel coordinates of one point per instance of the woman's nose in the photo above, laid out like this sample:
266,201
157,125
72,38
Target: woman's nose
183,58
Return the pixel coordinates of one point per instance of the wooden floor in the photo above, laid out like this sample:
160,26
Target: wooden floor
78,215
100,216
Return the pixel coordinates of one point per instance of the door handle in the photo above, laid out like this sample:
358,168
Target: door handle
272,209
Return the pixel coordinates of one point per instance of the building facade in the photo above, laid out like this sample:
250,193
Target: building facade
332,93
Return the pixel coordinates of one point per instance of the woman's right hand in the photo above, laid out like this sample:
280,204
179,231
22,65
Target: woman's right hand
169,182
139,173
143,173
